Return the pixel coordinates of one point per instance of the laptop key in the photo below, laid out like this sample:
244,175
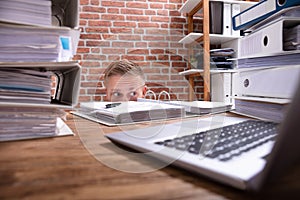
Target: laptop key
226,142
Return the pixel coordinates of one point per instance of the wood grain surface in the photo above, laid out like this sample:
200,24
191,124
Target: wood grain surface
87,166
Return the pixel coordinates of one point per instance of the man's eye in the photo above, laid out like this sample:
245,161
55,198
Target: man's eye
132,94
117,94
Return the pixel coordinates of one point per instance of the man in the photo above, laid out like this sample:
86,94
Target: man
124,81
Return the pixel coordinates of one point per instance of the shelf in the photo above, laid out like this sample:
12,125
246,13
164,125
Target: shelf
199,71
189,5
214,38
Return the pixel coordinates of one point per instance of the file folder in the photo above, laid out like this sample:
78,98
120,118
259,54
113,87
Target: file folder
226,19
65,13
268,40
67,76
235,9
216,17
275,82
259,12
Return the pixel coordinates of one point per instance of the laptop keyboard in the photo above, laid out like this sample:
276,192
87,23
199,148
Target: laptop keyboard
226,142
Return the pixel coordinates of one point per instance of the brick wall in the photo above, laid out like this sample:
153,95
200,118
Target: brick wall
144,31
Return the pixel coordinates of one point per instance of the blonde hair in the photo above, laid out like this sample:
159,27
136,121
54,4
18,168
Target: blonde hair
123,67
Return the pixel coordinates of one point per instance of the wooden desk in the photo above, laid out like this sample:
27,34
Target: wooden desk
63,168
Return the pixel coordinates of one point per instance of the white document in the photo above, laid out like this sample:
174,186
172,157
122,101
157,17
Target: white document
276,82
235,9
130,112
266,41
227,19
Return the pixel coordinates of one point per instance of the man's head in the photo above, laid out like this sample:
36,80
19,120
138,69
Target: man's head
124,81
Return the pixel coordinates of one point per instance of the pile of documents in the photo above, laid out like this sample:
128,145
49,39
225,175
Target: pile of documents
110,113
30,37
269,58
32,12
21,122
25,85
220,58
35,89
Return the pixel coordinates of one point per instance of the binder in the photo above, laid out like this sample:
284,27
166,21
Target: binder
67,76
65,13
275,82
37,43
235,9
290,12
269,40
221,90
226,19
216,17
259,12
130,112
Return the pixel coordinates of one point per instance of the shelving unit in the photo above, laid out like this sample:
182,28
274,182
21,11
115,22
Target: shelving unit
190,8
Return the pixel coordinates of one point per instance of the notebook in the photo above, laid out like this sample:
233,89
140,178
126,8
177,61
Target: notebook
237,151
130,112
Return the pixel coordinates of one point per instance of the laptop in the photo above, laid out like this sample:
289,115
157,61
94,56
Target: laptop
238,151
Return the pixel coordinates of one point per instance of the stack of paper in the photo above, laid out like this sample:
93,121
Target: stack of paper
35,86
28,43
264,108
20,122
33,12
25,85
195,107
220,58
128,112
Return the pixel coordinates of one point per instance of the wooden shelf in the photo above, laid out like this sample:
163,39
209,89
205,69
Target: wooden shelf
214,38
198,72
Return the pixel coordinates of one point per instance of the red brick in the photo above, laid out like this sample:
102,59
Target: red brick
137,5
113,10
93,9
95,2
83,50
132,11
141,44
94,57
90,36
112,3
83,98
160,19
121,30
96,30
124,24
112,17
99,23
84,2
150,12
130,37
158,44
90,64
97,43
137,18
89,16
138,51
148,25
134,58
113,51
156,6
122,44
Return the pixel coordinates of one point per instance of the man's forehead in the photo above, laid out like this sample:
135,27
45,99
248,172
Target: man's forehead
127,81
